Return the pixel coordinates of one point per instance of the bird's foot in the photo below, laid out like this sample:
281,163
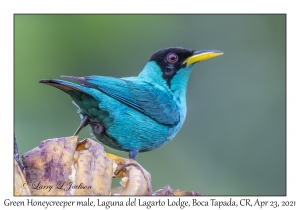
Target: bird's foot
83,123
133,154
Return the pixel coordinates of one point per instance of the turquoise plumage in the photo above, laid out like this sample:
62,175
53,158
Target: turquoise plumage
136,114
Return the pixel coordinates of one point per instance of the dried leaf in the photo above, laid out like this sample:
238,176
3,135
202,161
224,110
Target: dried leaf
93,168
167,191
65,166
163,191
50,165
20,187
135,179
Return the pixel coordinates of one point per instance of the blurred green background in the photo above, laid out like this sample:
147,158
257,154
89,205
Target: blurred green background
233,139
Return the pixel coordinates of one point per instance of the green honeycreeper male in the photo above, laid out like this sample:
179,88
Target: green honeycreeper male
136,114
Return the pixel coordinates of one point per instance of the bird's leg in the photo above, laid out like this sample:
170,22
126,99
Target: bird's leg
83,123
133,154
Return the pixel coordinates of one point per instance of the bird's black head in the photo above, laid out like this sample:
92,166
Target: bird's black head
170,60
172,66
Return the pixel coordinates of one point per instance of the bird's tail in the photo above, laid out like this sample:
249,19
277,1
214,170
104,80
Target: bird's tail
66,86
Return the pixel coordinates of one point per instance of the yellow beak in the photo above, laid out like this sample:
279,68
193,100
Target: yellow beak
201,56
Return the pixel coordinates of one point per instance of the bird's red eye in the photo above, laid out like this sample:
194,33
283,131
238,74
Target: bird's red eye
172,57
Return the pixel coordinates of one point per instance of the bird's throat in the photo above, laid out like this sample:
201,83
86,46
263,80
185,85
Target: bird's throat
180,80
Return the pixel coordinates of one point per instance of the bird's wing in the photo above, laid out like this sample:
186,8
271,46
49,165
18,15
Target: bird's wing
150,99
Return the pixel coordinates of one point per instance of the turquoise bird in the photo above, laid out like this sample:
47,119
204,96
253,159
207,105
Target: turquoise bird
136,114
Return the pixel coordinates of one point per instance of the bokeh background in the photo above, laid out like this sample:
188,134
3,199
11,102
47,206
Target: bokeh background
234,137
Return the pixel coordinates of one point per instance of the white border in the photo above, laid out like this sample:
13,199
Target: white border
8,8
